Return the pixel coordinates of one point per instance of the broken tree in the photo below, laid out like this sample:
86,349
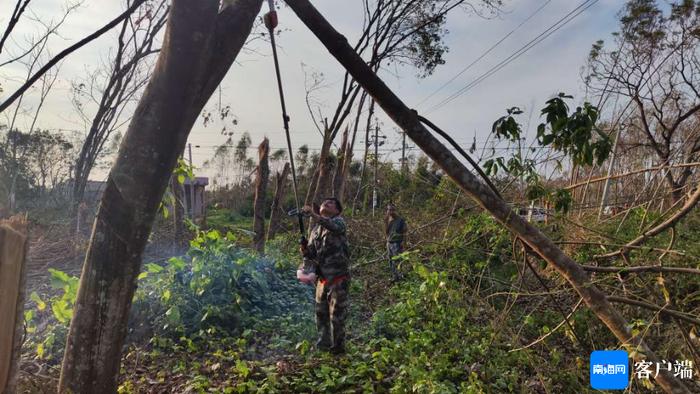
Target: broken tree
201,42
276,210
262,174
408,120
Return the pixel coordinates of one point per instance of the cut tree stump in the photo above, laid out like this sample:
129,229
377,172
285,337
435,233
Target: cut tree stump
13,252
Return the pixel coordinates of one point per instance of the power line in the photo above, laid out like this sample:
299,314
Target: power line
525,48
484,54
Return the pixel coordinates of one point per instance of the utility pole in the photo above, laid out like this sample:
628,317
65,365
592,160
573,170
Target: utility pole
606,187
376,143
376,165
404,167
192,181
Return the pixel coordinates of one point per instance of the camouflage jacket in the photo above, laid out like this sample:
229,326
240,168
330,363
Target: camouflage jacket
328,251
395,230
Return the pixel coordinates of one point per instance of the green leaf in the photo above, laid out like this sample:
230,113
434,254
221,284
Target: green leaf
40,305
173,315
59,279
62,311
153,268
213,235
242,368
177,263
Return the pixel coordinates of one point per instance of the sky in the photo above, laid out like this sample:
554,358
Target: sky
553,65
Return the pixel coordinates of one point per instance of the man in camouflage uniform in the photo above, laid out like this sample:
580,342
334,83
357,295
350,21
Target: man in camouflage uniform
395,228
327,255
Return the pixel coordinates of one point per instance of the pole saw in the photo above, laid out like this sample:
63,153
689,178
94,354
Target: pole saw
271,21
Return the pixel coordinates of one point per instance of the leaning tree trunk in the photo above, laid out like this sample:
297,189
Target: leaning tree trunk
310,193
338,178
361,190
325,169
262,174
201,42
408,120
276,210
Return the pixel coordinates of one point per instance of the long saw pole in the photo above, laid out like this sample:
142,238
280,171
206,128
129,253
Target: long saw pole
271,22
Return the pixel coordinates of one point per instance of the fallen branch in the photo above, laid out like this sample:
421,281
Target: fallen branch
655,308
603,178
542,338
676,252
687,207
654,268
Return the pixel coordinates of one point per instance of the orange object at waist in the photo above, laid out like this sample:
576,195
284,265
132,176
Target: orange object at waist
335,280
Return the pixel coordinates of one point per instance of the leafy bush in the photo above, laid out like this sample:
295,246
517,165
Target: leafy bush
216,287
56,320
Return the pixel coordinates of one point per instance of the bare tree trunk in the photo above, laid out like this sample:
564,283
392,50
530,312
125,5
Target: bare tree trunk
345,173
360,192
312,186
338,178
276,210
325,168
407,119
201,42
262,175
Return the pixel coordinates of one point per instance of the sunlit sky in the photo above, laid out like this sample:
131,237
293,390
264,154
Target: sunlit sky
551,66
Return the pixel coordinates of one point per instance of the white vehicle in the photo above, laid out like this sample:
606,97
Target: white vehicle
533,214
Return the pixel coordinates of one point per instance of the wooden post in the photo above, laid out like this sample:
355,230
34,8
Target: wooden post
13,251
178,211
408,120
262,174
275,215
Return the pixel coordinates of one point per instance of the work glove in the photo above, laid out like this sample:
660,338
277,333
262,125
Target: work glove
303,277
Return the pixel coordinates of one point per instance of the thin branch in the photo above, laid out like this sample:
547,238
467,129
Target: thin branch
680,214
653,268
643,170
656,308
16,14
67,52
543,337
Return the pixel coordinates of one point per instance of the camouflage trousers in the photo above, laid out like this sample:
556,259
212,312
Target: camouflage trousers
332,304
393,249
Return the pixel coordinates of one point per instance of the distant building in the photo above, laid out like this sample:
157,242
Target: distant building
197,210
95,189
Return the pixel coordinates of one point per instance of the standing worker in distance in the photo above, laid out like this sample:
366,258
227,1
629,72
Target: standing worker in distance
395,227
327,256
